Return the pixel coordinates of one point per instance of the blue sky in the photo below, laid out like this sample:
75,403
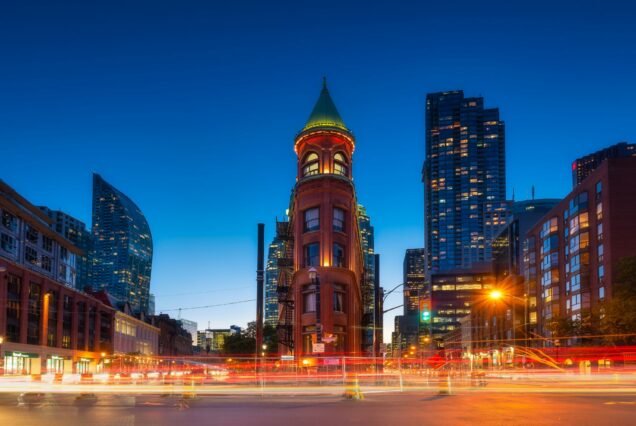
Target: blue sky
191,108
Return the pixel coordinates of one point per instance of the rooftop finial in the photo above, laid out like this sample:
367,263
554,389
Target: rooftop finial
324,82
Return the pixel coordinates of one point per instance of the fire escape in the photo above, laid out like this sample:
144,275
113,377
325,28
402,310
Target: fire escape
285,296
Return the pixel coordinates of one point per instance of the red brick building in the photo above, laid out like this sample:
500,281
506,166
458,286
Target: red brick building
572,252
46,325
323,221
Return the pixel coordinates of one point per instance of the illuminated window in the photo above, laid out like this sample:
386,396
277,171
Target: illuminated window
312,219
311,164
340,164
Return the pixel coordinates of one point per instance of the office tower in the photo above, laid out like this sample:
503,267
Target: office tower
584,166
368,283
275,252
414,278
122,260
464,180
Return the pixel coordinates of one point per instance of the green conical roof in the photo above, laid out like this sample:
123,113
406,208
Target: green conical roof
325,113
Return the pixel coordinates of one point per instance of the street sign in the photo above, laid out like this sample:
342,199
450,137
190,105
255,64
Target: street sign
287,358
328,338
319,348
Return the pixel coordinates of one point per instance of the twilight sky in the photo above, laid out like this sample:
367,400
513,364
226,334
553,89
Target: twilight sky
191,108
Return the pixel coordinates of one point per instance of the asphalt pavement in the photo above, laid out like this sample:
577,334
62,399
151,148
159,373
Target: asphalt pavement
413,408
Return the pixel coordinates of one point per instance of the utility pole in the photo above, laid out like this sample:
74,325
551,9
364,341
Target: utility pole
260,261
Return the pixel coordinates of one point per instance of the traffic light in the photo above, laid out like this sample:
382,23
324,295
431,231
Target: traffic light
425,310
426,316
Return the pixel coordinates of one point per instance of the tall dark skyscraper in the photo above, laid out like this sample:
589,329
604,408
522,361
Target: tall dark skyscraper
76,232
414,276
464,180
584,166
122,255
368,284
275,252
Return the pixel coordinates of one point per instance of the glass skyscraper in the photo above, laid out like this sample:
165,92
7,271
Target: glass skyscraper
368,284
122,247
414,276
275,252
464,179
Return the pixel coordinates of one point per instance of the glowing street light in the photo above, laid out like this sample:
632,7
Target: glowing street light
496,295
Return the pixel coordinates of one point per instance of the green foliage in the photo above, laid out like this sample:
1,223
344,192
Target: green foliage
245,342
618,315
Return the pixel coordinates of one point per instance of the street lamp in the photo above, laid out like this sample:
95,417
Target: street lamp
315,279
496,295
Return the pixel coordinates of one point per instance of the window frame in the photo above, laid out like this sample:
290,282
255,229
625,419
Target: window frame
339,225
307,258
306,222
342,259
311,164
340,165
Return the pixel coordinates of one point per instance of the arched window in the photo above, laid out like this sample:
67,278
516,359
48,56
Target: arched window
340,164
311,164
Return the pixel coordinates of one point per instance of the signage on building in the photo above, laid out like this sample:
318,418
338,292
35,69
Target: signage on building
21,354
59,357
318,348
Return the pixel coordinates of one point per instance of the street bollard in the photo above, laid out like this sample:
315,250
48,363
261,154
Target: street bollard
444,383
352,389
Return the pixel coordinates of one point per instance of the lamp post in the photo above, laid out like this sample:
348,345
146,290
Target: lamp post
1,356
499,295
3,269
315,279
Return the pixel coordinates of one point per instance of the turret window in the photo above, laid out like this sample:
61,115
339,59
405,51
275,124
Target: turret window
340,164
311,164
312,219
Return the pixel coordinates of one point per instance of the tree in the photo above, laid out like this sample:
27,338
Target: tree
618,315
245,342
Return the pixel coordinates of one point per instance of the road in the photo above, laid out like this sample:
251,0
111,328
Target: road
413,408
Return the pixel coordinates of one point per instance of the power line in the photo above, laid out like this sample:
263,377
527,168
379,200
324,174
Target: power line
207,306
202,292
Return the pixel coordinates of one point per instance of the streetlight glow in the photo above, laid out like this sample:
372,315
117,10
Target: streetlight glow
495,295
